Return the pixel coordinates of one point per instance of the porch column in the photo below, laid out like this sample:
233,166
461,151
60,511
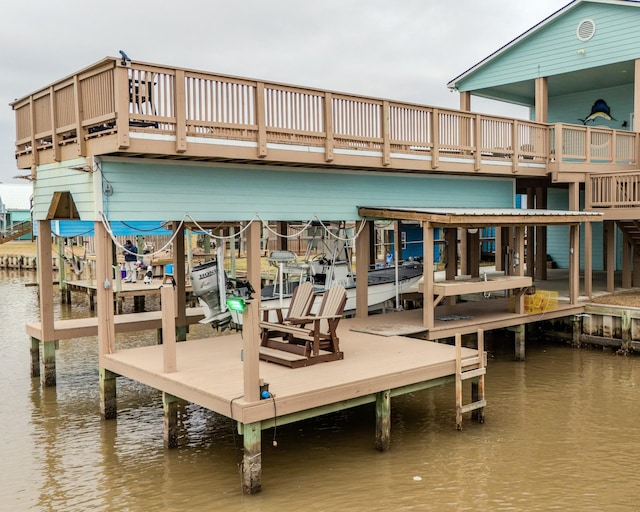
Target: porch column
427,292
250,334
518,269
464,259
363,244
541,99
397,240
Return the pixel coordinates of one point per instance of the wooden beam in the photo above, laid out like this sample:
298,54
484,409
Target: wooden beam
179,266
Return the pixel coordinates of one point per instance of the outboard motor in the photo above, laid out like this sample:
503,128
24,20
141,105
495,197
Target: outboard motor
209,286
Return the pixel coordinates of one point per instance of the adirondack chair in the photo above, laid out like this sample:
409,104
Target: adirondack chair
313,338
299,306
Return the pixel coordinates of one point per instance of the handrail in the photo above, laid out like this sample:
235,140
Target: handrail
613,190
188,106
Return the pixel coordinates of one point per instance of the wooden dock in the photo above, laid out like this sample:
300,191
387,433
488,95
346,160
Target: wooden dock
210,373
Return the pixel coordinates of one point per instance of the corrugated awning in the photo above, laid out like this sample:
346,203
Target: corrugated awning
479,217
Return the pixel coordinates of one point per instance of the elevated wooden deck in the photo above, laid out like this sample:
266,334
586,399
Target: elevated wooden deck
210,374
133,108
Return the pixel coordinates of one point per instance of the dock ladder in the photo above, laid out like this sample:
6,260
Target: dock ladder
477,391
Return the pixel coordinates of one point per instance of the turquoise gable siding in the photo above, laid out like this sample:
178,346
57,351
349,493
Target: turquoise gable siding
558,236
162,191
551,50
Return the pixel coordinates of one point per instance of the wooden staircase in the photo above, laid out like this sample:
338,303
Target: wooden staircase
16,231
631,231
478,372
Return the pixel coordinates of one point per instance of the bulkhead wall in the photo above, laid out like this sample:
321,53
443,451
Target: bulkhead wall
144,190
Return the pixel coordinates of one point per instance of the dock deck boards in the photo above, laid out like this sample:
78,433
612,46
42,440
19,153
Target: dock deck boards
210,372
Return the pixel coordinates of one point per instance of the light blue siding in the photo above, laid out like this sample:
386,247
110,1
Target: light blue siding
161,191
61,178
558,236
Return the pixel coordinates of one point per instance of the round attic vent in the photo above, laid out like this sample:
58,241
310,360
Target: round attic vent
586,29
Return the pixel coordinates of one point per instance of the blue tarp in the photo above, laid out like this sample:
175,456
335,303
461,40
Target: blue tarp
70,228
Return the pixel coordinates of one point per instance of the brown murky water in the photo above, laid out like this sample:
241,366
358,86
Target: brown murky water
562,433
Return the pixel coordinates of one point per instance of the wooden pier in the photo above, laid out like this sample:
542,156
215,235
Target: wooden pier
211,373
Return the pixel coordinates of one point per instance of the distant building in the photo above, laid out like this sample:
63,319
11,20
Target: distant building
15,206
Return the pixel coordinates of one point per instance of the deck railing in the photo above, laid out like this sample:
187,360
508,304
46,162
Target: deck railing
616,190
119,99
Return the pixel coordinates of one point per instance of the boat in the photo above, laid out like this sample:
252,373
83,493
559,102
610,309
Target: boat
327,261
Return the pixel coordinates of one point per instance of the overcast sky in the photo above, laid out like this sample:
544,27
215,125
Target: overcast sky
396,49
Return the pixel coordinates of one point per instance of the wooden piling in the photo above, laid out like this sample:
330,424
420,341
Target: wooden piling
383,420
108,405
49,363
170,406
519,341
35,357
252,459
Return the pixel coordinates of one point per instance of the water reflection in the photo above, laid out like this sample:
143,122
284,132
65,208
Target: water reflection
561,433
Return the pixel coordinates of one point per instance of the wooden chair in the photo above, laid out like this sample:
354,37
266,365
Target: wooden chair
310,338
299,306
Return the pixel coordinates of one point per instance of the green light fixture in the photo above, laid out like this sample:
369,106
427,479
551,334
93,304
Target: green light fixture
236,304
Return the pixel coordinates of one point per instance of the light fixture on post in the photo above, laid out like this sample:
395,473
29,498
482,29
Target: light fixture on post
472,231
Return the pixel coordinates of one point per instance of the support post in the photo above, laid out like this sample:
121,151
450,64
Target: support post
104,290
179,276
383,420
588,259
574,263
520,338
108,405
363,243
252,458
49,363
541,237
170,364
610,248
576,330
250,319
428,318
35,357
458,339
627,263
170,407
